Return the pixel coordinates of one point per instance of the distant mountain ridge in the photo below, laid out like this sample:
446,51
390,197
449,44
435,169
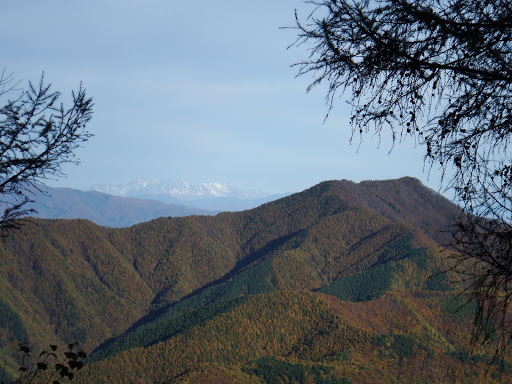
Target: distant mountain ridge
210,196
180,190
104,209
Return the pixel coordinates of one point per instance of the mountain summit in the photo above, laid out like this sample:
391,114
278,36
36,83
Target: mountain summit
207,196
180,190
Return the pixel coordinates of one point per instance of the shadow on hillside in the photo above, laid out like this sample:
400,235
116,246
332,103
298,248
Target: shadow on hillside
249,260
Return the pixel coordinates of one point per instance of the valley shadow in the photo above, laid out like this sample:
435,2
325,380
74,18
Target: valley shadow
251,259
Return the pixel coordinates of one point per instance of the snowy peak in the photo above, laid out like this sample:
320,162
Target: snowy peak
179,190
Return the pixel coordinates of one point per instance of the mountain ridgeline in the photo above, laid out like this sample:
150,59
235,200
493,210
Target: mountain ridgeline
336,284
124,209
103,209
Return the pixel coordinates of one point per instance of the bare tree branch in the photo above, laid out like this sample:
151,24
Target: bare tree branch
37,136
441,72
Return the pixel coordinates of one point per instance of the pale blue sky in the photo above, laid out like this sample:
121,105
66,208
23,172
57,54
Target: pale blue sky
198,91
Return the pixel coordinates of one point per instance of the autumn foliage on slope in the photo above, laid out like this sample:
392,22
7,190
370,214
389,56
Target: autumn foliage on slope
158,281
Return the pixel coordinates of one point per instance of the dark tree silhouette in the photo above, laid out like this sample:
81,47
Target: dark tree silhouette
49,366
37,135
441,72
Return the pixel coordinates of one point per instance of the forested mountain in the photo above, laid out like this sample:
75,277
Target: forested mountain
335,284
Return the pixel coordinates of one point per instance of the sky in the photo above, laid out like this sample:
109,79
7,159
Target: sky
198,91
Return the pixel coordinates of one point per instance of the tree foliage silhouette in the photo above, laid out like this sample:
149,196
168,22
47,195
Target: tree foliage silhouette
441,72
49,367
38,134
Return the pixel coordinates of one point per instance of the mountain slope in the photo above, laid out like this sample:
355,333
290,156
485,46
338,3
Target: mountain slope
71,279
395,266
403,200
289,336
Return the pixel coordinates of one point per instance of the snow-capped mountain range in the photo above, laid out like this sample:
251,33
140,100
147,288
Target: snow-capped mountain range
177,190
